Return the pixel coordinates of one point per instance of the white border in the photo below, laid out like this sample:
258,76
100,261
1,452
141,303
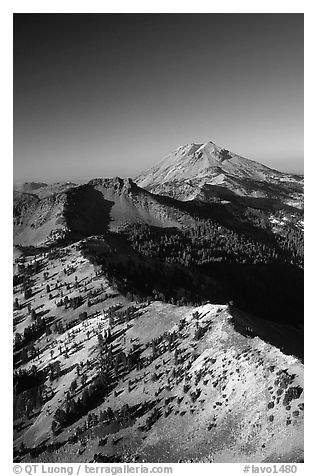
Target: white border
93,6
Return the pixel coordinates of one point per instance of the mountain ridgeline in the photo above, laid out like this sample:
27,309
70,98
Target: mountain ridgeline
203,225
160,319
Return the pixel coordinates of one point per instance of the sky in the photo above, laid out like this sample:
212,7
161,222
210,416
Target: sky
101,95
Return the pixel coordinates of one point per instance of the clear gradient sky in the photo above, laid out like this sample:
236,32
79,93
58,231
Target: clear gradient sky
98,95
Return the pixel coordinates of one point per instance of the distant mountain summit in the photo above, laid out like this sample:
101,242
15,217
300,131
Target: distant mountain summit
194,169
201,161
175,193
29,187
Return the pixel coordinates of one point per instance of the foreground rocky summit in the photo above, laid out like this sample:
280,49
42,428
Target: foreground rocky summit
151,381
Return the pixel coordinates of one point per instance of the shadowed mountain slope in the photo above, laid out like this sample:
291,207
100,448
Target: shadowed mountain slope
207,373
90,209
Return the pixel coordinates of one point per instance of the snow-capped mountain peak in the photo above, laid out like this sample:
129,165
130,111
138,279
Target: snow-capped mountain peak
183,173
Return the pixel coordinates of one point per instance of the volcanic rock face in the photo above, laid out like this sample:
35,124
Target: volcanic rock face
93,208
132,204
36,221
